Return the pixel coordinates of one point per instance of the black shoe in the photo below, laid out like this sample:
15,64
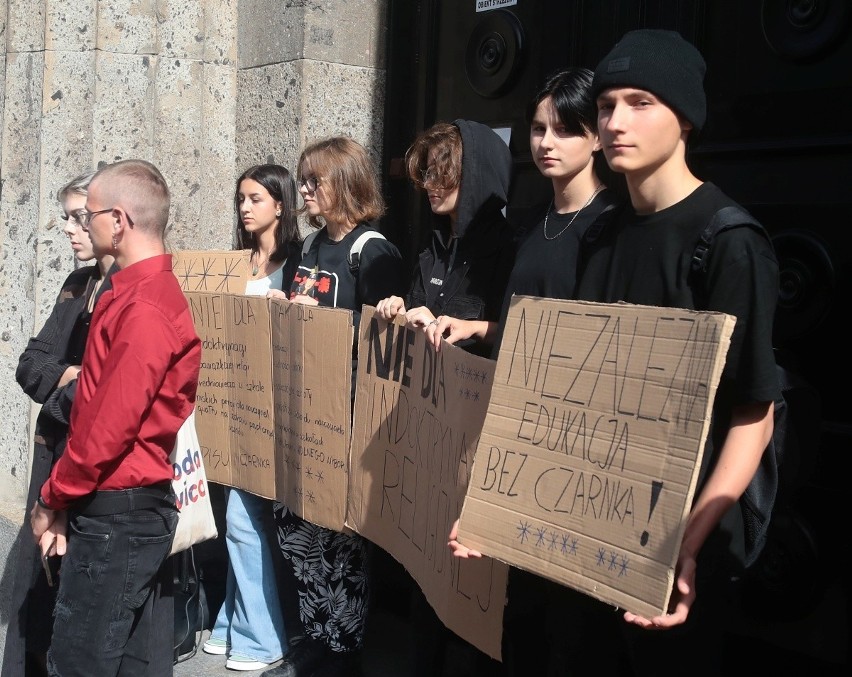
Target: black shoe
304,657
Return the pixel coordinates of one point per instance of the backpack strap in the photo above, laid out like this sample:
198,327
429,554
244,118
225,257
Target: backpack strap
354,256
607,216
357,246
726,217
309,240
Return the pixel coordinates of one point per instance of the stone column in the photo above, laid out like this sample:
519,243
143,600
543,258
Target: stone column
308,70
88,83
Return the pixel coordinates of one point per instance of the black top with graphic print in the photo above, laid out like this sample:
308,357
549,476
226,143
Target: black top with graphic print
324,272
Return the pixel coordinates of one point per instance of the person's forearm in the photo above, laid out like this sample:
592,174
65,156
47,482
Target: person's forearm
487,332
748,436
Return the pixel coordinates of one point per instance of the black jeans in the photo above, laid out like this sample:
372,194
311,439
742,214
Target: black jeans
114,611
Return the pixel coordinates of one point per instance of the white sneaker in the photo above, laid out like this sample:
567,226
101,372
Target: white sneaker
215,646
237,662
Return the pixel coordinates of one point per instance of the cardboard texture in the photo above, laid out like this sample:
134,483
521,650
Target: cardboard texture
233,405
418,417
272,411
590,451
215,271
312,383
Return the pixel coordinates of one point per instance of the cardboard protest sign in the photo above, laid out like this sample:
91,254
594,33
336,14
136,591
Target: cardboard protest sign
274,389
214,271
418,417
589,456
312,385
234,406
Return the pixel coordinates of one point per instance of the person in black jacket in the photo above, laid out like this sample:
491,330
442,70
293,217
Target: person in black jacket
465,170
457,290
47,372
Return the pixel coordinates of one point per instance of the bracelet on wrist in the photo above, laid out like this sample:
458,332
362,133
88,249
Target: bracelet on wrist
41,502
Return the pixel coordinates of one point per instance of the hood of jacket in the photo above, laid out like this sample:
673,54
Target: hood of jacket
486,173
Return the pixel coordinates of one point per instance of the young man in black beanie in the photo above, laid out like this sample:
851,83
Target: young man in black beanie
650,97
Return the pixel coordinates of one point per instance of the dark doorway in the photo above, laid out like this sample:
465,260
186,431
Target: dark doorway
778,140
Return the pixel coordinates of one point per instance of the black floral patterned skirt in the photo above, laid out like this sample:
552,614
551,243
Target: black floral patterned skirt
330,570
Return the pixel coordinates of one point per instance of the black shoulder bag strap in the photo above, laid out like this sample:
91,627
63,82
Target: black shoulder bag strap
725,218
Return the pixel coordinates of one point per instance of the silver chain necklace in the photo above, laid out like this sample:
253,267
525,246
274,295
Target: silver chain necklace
573,218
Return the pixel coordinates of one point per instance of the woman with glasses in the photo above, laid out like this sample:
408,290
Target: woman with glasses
47,372
465,169
249,627
341,193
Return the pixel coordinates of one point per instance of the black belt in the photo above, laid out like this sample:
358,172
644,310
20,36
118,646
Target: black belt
100,503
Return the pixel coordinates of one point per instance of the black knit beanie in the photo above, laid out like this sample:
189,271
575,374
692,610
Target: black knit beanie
661,62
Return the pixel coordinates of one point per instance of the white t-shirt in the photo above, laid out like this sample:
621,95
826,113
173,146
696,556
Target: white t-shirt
260,286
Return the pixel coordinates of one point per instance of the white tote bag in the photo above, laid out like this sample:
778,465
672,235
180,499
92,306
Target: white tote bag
189,481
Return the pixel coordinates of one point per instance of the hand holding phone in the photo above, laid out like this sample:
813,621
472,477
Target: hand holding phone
45,561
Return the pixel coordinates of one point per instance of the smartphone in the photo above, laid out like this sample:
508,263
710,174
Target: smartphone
45,562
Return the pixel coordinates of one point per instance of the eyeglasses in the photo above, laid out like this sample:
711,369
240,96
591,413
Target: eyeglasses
309,183
76,215
84,216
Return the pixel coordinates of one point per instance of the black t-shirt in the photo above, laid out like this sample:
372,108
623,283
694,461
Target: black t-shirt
647,260
324,273
649,263
546,266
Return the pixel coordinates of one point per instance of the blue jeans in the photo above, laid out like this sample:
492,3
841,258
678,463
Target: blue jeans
114,609
250,619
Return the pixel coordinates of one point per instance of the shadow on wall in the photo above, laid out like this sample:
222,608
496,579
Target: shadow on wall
13,538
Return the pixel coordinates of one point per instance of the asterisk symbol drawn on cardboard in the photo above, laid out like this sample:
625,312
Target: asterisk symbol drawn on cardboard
523,531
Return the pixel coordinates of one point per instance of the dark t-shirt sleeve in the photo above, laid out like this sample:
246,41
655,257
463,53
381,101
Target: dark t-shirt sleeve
291,265
742,280
382,272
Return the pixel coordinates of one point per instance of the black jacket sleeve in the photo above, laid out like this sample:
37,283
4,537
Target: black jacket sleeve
42,363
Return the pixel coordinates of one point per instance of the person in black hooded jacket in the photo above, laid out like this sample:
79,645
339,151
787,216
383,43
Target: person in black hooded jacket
460,279
465,169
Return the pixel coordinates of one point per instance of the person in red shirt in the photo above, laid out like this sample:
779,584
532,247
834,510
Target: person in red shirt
112,487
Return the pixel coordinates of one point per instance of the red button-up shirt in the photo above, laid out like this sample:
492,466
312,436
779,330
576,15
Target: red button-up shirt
136,386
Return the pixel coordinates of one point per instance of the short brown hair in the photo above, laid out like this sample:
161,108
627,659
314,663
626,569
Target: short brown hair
345,165
139,187
446,140
79,185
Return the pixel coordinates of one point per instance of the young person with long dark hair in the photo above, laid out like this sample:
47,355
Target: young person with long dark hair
249,627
